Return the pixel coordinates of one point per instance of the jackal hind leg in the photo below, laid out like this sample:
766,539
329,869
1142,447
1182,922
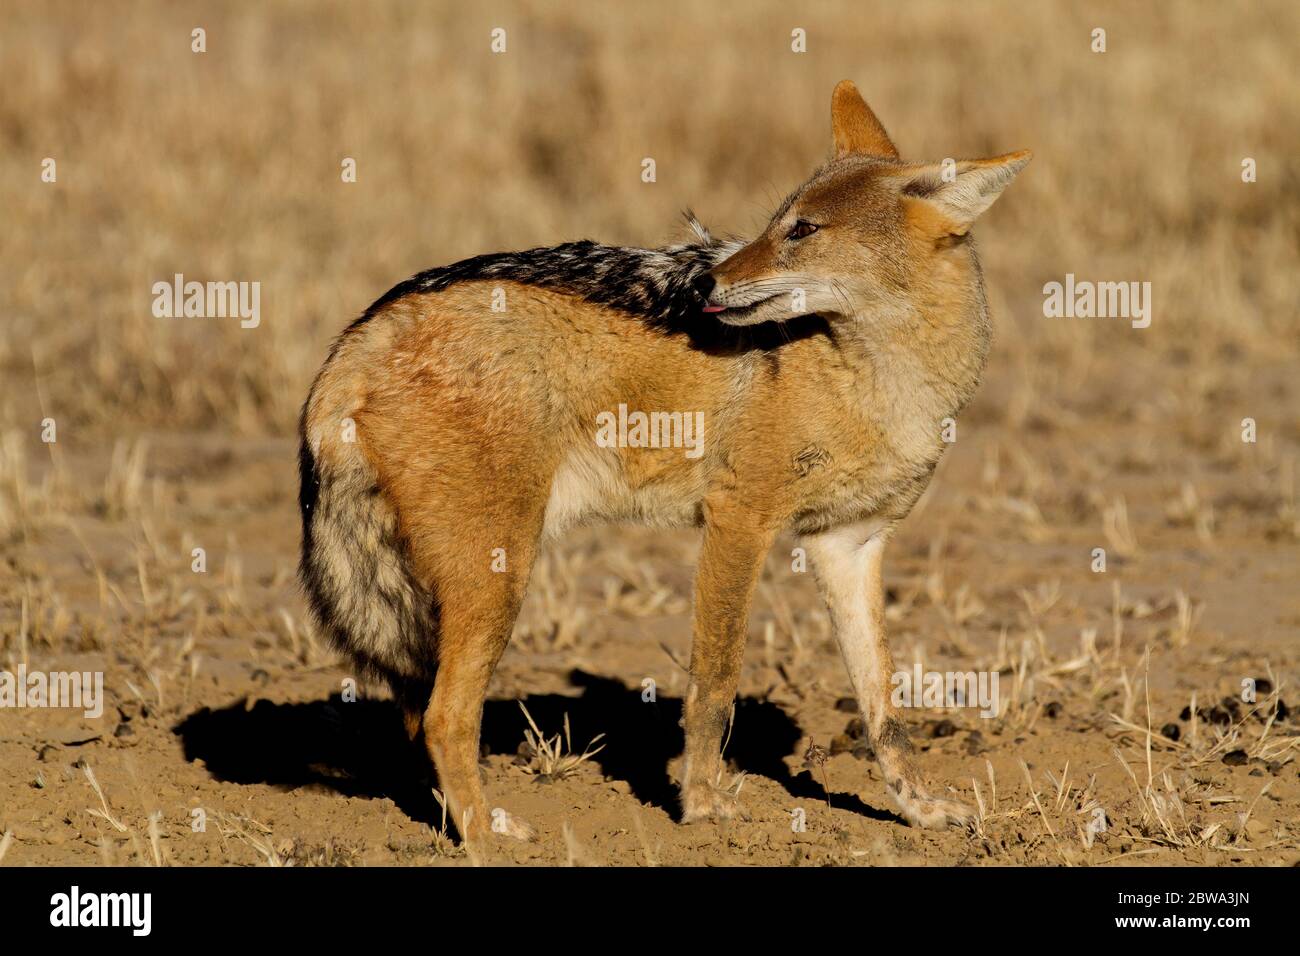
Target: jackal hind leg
478,609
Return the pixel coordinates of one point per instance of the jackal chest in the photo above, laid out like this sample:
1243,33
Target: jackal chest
864,468
830,492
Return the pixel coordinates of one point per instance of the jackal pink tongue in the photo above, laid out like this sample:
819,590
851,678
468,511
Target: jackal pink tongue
715,308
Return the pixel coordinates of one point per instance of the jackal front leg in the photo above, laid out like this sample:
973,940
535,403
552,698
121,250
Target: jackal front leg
731,560
848,565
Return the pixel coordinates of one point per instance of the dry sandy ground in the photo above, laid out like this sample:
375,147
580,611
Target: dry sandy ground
1087,434
219,699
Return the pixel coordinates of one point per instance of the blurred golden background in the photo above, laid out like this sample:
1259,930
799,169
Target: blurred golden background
225,165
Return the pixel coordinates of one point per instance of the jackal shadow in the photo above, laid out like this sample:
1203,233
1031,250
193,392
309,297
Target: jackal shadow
360,748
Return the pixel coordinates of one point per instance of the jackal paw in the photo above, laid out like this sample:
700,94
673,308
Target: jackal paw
703,802
927,812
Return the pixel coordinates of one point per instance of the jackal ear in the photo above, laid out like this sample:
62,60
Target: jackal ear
960,190
855,127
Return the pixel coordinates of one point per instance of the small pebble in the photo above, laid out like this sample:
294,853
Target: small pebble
1216,715
1171,731
1235,758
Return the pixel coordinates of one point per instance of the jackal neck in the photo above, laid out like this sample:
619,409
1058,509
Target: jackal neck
918,367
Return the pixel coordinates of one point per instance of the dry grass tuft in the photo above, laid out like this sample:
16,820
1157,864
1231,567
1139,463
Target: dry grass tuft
553,758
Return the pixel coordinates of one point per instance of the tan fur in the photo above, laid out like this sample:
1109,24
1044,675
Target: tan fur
475,432
855,127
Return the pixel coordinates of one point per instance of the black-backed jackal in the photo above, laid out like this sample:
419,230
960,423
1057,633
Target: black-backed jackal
456,427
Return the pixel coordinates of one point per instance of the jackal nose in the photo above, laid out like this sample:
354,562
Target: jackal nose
704,284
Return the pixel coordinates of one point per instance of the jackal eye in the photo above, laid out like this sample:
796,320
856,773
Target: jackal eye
802,230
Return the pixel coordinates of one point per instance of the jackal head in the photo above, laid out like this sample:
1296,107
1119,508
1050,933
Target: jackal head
868,238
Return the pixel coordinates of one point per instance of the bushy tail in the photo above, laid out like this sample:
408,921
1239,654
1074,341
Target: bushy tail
354,566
